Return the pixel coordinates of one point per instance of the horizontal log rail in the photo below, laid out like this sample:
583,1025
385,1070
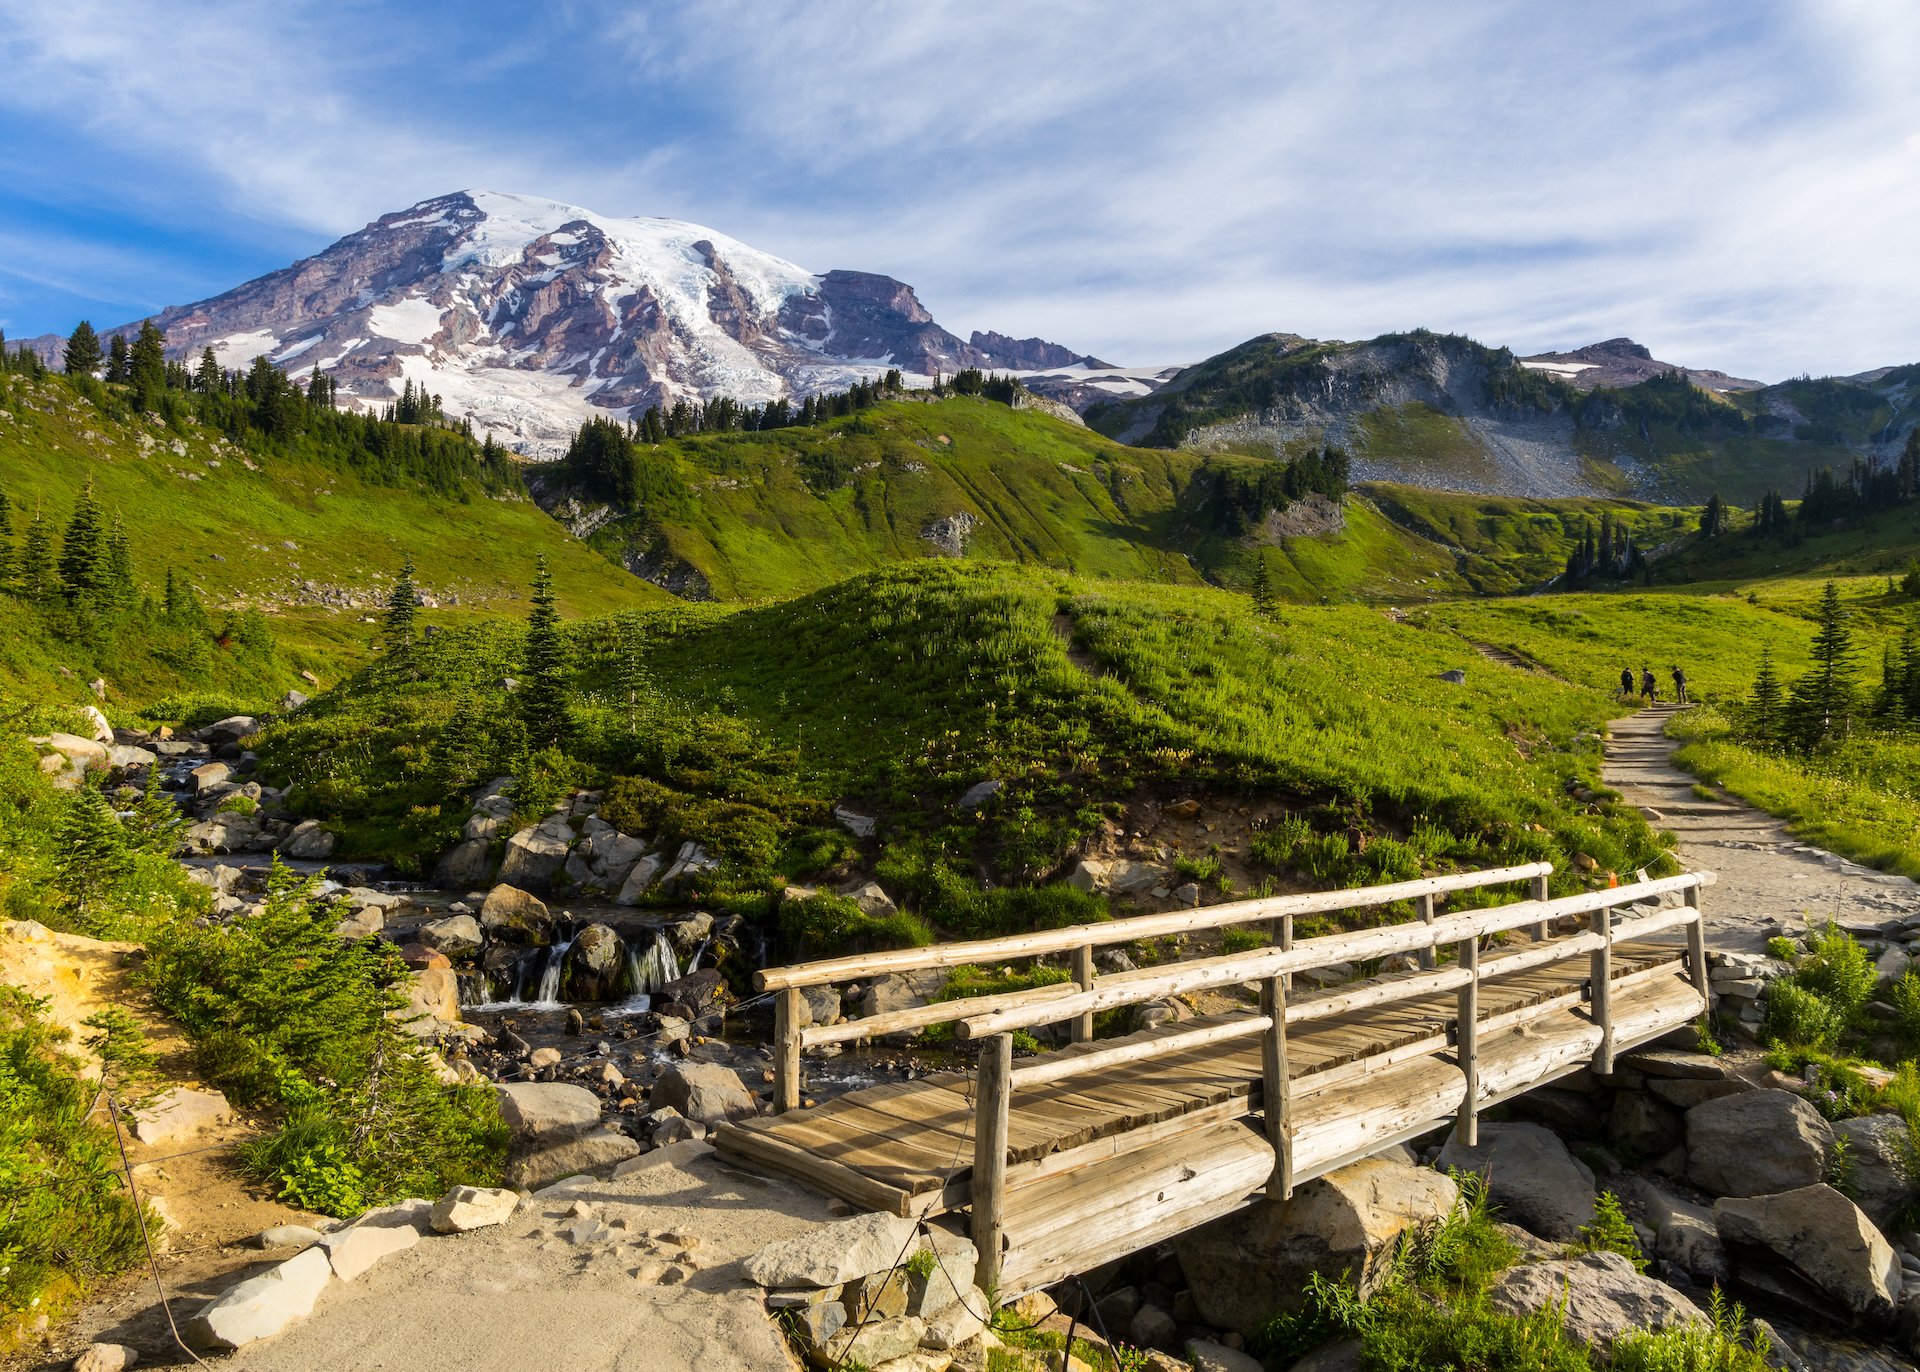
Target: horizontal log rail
1135,928
1053,1068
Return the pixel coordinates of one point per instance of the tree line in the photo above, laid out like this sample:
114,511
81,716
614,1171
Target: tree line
1610,553
1832,701
1828,499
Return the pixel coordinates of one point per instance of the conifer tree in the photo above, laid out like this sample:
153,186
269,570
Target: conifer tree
83,550
1713,520
629,671
1820,710
6,541
83,350
402,601
147,366
93,853
207,377
1262,586
36,561
1763,707
117,589
117,359
543,695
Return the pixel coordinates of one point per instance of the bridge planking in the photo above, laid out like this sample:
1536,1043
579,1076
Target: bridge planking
907,1147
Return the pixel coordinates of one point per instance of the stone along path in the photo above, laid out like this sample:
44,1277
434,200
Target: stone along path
1769,881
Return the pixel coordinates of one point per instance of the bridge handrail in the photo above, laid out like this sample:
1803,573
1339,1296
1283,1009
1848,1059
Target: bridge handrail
1154,983
1135,928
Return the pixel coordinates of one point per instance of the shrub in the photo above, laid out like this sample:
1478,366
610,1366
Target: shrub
1727,1344
54,1239
1779,946
286,1016
1840,973
1611,1232
824,924
1798,1018
1905,998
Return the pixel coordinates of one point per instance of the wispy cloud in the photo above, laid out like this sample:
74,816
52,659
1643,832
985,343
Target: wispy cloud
1735,187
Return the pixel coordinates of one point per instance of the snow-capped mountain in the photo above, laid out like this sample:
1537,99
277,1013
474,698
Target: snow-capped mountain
529,316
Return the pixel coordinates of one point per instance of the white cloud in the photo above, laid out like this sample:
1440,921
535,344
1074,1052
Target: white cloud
1734,188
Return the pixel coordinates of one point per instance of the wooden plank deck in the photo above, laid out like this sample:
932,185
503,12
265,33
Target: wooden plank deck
908,1147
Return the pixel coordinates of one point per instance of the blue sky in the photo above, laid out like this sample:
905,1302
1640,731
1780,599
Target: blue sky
1736,185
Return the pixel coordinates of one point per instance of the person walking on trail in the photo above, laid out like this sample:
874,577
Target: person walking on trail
1680,687
1649,688
1626,681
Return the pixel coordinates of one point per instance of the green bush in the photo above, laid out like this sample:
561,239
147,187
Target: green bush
67,1221
290,1018
1611,1232
1727,1344
1799,1018
823,925
1779,946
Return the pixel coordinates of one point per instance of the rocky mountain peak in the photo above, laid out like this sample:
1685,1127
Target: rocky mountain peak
532,315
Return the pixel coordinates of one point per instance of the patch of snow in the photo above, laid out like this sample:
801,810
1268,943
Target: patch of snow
1559,368
237,350
280,358
411,320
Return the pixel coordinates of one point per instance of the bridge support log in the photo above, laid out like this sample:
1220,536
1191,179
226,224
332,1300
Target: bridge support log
786,1050
1276,1086
1468,1043
1697,956
1543,892
1083,977
1429,956
991,1108
1600,979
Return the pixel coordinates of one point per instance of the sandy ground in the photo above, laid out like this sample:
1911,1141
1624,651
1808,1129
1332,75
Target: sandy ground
1767,878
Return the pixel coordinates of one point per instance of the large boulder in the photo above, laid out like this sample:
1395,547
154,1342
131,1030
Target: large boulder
1756,1143
232,729
457,936
308,840
832,1254
516,916
1879,1164
536,855
1116,876
1246,1266
466,865
1531,1177
595,965
639,879
704,1092
1814,1248
1600,1295
594,1151
67,758
357,1247
543,1112
260,1307
433,999
1686,1236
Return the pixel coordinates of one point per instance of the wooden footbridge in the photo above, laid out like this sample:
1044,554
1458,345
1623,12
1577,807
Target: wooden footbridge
1070,1158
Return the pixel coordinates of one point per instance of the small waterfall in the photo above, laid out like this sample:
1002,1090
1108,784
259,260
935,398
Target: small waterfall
550,973
693,963
658,966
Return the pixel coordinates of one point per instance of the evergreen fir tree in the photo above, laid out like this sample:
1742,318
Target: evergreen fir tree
36,561
83,350
207,377
83,551
1763,707
118,588
117,359
6,541
1262,587
156,820
543,694
402,602
1820,710
147,366
1713,520
630,680
93,852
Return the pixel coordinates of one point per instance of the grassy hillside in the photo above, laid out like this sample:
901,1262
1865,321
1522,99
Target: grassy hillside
898,690
304,538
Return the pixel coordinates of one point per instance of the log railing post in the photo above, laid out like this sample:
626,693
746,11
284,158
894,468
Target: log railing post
1543,892
1283,938
1429,956
1468,1044
991,1106
786,1050
1600,996
1697,951
1276,1090
1083,976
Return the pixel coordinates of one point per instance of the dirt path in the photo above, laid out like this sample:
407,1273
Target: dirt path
1768,878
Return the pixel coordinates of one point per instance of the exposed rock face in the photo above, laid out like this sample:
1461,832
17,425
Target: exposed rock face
536,854
1623,362
1814,1248
1603,1296
1540,1185
1756,1143
1030,354
1879,1159
530,315
308,840
1248,1265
